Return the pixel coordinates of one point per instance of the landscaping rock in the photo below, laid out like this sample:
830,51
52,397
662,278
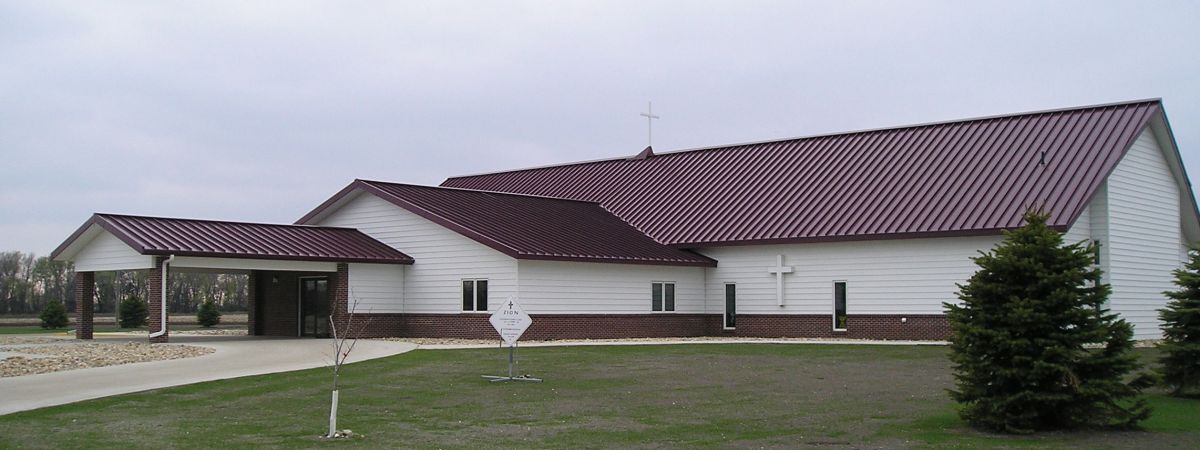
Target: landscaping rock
71,354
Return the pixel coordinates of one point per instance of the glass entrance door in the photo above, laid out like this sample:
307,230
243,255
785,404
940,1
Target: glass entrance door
314,306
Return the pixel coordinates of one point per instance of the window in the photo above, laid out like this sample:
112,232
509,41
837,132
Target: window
839,305
662,296
730,305
475,295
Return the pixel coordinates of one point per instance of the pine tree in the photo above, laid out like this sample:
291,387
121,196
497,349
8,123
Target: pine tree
208,314
1032,344
1181,331
54,315
133,312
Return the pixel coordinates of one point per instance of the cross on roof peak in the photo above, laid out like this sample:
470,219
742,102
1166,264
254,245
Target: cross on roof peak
649,115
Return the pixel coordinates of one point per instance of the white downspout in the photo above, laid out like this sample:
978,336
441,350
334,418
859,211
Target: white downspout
163,309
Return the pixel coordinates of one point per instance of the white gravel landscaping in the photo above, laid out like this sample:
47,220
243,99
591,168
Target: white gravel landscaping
17,339
198,332
36,355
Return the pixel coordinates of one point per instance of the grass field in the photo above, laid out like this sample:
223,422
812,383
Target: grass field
34,329
682,396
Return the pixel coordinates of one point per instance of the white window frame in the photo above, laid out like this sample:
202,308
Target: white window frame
725,306
674,305
833,304
474,294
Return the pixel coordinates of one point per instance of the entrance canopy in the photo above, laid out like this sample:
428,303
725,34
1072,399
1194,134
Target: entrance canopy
118,242
109,242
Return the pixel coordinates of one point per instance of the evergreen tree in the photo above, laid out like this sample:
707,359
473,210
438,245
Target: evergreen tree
133,312
54,315
1032,344
1181,330
208,314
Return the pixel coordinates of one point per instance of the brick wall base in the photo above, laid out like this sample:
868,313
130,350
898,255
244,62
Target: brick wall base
917,327
616,326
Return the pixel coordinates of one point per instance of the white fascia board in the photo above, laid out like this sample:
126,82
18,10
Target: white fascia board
199,262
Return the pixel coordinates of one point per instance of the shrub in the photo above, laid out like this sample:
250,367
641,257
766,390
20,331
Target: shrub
133,312
54,315
208,314
1181,331
1032,344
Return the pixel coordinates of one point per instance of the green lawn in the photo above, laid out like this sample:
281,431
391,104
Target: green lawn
682,396
34,329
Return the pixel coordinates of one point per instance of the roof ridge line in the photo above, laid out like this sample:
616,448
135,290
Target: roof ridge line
481,191
820,135
292,225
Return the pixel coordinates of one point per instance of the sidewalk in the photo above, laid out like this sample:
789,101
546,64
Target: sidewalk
235,356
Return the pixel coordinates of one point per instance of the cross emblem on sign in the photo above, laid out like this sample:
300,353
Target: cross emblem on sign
778,271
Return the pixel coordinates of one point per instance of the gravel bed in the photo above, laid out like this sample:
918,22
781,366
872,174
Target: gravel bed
19,339
74,355
200,332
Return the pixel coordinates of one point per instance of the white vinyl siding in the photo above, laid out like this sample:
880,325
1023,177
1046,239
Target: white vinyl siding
900,276
443,258
1144,233
1098,212
108,252
554,287
378,288
1081,230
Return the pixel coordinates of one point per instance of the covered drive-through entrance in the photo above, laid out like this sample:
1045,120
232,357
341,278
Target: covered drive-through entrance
298,275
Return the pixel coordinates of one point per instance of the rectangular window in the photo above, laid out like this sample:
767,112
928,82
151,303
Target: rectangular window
669,296
474,295
839,305
662,296
730,305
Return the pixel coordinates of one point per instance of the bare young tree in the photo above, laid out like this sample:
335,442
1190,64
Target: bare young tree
344,341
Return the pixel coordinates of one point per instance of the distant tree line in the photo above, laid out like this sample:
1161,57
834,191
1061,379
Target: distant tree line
28,282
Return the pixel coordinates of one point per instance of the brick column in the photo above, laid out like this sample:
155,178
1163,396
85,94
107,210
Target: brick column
154,279
339,302
251,300
85,289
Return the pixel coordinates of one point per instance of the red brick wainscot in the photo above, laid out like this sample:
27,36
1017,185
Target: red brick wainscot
914,327
617,326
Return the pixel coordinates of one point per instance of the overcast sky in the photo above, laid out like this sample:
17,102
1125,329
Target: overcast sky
259,111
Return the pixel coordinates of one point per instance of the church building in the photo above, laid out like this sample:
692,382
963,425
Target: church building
861,234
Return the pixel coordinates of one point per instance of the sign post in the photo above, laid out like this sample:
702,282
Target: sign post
510,321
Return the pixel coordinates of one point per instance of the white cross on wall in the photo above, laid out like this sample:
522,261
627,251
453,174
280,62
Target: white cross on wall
778,271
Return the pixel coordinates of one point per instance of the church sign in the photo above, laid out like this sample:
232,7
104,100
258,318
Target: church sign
510,321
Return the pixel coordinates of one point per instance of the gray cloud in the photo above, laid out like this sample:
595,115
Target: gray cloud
260,110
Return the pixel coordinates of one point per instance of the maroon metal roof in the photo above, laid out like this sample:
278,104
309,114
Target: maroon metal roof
189,237
527,227
974,176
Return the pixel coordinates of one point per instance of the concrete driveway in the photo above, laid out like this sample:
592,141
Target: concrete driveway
234,356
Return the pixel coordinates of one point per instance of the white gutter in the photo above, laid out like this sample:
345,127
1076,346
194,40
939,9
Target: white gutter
163,309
